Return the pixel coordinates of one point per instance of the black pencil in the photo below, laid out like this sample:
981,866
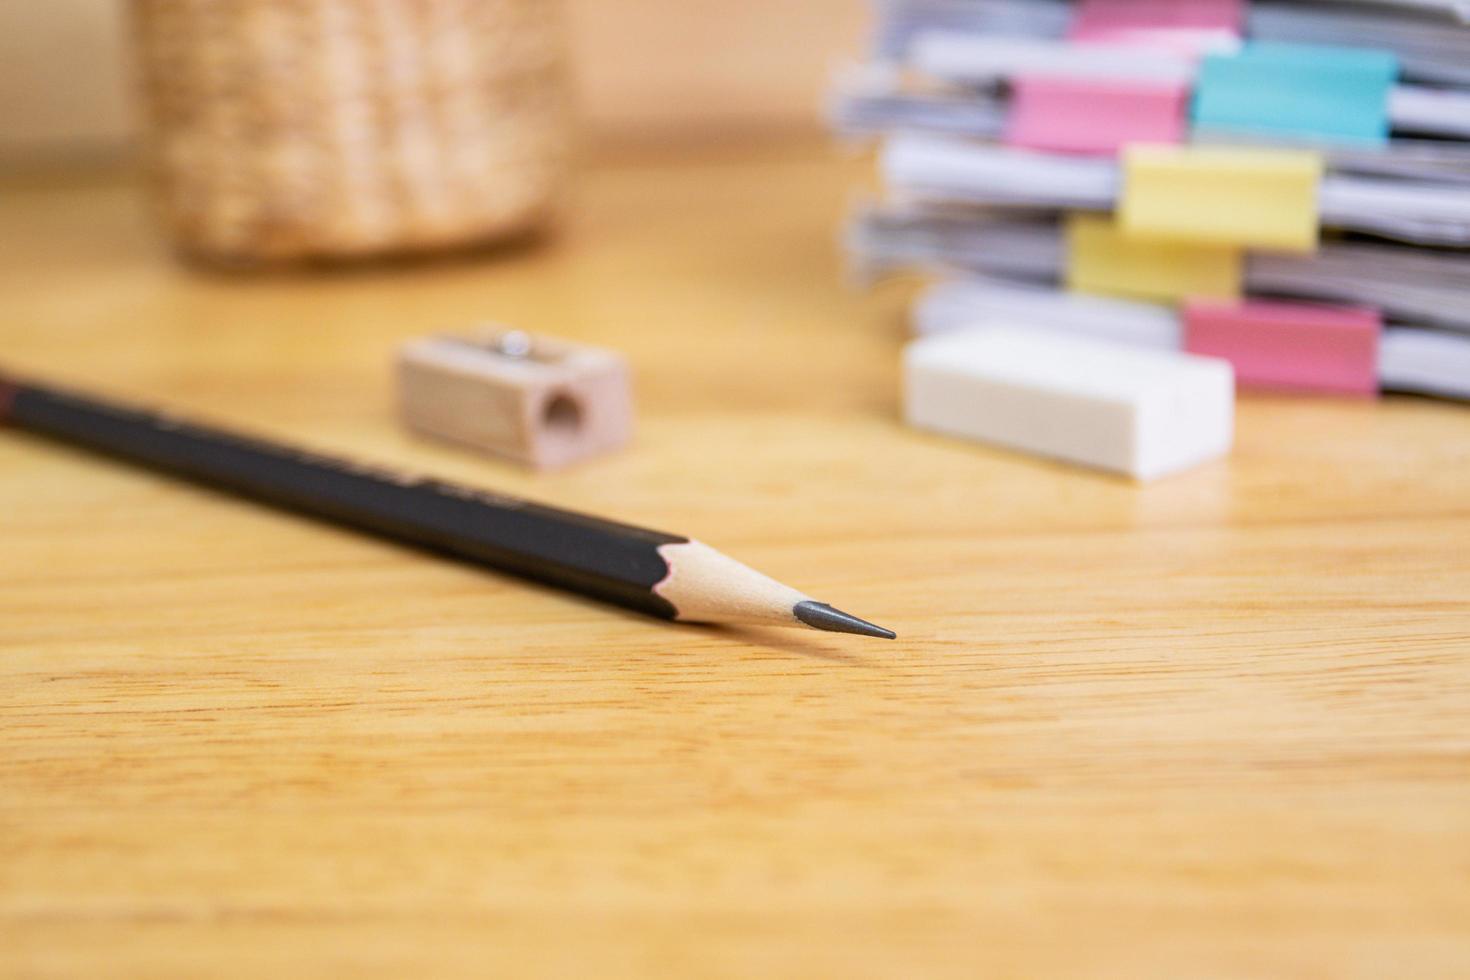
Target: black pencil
663,575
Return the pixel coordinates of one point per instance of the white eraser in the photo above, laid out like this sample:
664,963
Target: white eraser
1141,412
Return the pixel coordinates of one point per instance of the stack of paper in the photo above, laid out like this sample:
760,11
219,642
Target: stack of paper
1122,164
1420,34
1428,286
1413,360
873,100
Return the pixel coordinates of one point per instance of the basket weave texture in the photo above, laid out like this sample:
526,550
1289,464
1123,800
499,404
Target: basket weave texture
294,130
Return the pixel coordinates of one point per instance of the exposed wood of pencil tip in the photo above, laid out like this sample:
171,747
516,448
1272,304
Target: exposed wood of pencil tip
707,586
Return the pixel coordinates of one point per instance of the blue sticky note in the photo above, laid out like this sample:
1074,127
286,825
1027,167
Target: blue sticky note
1305,92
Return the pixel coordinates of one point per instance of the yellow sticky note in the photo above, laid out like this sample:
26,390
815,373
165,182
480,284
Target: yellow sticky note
1103,260
1251,198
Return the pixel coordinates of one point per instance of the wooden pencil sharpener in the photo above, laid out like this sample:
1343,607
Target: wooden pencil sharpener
534,399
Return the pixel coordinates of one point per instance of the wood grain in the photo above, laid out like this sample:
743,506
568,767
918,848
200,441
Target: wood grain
1211,727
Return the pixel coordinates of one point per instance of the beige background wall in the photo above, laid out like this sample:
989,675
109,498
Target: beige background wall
647,69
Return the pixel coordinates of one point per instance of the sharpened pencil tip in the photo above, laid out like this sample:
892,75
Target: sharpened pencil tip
820,616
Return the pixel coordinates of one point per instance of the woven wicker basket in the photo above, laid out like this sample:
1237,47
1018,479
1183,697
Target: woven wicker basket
299,130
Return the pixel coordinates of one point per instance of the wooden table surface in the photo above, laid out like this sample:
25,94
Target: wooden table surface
1214,726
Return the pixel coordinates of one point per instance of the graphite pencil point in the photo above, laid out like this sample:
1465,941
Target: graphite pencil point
819,615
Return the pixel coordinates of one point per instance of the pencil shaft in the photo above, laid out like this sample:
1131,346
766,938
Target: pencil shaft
610,561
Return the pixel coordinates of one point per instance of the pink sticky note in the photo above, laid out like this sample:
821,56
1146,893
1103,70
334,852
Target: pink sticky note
1289,346
1186,26
1096,117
